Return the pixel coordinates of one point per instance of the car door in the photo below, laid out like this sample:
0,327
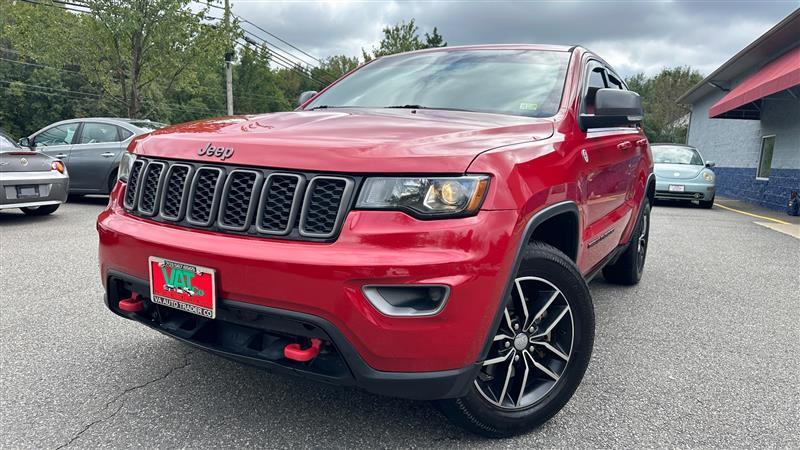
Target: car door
56,140
93,156
606,179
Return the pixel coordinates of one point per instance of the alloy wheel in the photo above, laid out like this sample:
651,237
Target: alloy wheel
532,346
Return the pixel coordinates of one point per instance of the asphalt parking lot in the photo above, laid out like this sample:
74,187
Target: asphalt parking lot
703,353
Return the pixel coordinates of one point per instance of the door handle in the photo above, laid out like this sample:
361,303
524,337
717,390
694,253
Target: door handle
627,145
107,154
641,142
61,155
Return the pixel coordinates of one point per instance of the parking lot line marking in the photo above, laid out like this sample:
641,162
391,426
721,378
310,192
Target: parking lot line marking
753,215
791,230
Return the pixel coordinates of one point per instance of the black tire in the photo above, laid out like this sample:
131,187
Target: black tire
707,204
628,268
475,412
40,210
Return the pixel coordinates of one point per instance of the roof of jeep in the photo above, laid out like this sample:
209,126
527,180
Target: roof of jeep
545,47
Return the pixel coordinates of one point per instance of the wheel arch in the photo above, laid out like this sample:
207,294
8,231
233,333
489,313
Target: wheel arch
554,214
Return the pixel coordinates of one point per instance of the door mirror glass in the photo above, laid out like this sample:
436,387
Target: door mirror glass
710,164
25,142
613,107
305,96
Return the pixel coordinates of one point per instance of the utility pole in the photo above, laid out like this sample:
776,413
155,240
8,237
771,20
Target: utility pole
229,59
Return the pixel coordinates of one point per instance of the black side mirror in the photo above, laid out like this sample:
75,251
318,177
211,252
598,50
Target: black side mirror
710,164
305,96
25,142
613,107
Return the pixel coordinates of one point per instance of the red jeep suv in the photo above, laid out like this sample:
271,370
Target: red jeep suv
425,228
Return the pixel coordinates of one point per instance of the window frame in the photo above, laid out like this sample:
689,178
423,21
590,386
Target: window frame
591,66
759,176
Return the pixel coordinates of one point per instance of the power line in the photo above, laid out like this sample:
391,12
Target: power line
46,90
278,38
39,65
289,66
64,7
37,86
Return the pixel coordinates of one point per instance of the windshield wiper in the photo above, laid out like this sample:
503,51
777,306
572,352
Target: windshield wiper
426,107
331,106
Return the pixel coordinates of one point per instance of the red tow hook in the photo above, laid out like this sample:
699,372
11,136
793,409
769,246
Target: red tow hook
133,304
295,353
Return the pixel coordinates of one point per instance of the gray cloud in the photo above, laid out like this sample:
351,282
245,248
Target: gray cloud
632,35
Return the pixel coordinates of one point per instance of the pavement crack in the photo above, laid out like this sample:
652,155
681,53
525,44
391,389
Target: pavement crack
121,398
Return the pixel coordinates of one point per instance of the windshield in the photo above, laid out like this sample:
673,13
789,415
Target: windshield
6,144
517,82
673,154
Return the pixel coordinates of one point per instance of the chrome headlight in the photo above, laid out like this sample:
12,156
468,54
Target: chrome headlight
708,176
425,196
125,165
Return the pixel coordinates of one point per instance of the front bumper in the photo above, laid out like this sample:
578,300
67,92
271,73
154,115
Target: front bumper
256,335
323,281
693,189
51,187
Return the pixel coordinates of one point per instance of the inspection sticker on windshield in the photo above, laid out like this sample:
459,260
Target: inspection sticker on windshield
527,106
183,286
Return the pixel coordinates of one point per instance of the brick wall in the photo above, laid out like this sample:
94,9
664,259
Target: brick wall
741,183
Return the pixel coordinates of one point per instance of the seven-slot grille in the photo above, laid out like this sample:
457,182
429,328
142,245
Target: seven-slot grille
224,198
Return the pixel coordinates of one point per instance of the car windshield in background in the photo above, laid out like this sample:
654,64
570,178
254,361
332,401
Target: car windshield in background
517,82
7,144
673,154
149,126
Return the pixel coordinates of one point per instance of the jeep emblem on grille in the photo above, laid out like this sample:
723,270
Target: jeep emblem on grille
222,153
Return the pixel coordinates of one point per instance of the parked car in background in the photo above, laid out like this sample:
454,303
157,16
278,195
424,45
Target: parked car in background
31,181
681,174
91,148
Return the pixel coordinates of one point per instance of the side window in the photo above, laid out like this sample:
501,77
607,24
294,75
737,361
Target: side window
765,160
98,133
614,82
123,133
58,135
596,80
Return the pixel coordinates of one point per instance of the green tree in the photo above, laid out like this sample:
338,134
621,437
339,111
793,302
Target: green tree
403,37
255,87
664,119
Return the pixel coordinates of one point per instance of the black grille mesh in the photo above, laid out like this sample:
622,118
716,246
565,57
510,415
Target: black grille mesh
204,192
231,199
133,182
173,191
278,199
150,188
323,207
237,201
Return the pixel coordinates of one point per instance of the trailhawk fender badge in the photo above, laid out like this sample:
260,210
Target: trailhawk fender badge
222,153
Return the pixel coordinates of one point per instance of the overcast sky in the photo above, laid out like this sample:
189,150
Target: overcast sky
633,36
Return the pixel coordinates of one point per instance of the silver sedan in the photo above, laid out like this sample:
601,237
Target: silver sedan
33,182
91,148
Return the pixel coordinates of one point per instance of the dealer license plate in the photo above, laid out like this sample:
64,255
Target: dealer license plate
183,286
27,191
676,188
